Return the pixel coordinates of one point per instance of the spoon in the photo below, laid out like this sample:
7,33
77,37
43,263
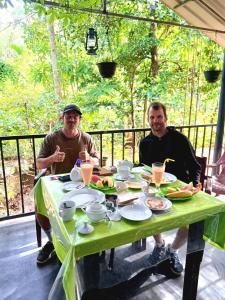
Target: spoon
65,205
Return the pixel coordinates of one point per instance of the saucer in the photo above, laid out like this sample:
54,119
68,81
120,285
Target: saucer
85,228
118,177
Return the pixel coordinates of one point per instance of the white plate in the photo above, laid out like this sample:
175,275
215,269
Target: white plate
137,170
169,178
84,196
118,177
135,185
135,212
71,185
167,202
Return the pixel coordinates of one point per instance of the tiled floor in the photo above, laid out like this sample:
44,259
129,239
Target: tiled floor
21,279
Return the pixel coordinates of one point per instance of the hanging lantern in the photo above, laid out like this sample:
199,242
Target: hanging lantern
91,44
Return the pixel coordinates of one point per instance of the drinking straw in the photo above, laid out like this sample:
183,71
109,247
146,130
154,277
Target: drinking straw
167,160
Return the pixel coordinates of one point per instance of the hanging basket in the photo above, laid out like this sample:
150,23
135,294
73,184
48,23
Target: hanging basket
107,69
212,75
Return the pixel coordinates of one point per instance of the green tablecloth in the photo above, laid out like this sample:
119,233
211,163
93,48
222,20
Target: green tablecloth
70,245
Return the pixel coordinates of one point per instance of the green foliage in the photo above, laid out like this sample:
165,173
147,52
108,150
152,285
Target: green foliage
181,57
6,72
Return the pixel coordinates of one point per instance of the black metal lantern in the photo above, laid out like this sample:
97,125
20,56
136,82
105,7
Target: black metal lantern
91,44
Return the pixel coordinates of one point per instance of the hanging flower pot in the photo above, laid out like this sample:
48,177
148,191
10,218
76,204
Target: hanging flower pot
107,68
212,75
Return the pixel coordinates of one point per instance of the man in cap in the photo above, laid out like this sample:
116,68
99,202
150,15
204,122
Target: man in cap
59,151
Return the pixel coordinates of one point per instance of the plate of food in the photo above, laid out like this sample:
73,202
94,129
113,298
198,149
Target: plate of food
126,197
168,177
104,184
135,185
84,196
135,212
183,193
158,203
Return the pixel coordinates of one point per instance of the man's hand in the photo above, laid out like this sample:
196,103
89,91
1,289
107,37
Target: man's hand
83,155
58,156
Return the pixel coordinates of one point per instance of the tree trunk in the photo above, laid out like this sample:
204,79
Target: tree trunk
154,68
145,112
55,69
132,99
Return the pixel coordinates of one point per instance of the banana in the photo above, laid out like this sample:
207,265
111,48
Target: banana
171,190
99,184
180,194
108,181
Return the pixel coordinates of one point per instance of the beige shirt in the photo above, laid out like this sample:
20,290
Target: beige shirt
71,147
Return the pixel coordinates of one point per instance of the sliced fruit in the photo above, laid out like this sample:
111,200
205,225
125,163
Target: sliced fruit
110,182
171,190
107,181
95,178
99,184
196,190
187,187
179,194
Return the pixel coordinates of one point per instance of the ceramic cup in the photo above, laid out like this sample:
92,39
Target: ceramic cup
125,163
95,211
67,210
124,172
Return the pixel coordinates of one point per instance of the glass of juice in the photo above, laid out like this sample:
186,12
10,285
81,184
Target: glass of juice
86,172
158,169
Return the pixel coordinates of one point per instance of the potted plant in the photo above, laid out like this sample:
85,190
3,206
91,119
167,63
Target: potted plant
214,58
107,66
212,74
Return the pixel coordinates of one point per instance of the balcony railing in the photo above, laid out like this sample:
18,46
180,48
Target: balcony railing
18,160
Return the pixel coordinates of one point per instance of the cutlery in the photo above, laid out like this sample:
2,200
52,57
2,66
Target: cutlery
80,186
126,201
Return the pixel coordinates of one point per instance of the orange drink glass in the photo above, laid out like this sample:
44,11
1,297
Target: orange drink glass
86,172
158,169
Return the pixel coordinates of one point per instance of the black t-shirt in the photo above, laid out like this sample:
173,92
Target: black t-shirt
172,145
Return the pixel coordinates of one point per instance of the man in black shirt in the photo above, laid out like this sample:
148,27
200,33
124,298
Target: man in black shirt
165,142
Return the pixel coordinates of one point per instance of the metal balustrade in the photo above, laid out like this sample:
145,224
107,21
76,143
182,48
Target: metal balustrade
18,160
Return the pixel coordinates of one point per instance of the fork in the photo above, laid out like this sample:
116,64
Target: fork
80,186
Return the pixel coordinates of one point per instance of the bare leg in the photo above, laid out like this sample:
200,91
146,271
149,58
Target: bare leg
180,239
158,239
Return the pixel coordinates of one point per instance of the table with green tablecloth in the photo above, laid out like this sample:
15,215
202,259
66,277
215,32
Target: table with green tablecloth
71,245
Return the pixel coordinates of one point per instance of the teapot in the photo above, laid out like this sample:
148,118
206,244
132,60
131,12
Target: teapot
125,163
95,211
75,174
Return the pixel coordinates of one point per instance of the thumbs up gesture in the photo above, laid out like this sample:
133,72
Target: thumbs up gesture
58,156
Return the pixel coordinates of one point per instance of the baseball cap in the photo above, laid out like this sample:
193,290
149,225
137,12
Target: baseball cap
72,107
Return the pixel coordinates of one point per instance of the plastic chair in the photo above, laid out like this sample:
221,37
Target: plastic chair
216,183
